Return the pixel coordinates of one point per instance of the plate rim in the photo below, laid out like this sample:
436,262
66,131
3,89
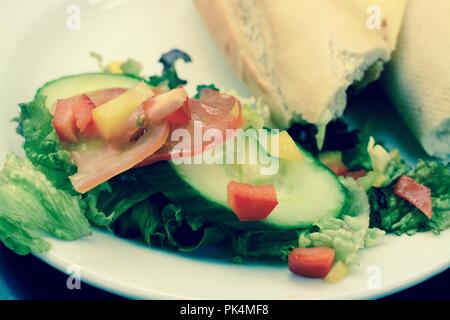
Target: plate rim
121,289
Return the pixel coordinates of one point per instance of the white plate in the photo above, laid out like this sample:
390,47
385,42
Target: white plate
37,46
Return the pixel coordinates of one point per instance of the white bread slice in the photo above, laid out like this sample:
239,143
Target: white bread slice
301,56
418,79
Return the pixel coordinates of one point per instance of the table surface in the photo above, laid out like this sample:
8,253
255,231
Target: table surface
30,279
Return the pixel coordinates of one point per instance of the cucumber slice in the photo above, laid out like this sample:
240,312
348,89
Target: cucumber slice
306,190
70,86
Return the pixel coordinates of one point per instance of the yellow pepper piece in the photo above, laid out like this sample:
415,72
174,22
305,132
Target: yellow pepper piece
338,272
378,156
111,117
115,67
287,149
380,181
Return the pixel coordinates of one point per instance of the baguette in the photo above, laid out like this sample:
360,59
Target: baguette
300,56
418,79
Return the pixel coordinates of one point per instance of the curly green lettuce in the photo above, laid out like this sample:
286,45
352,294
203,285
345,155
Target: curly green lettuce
264,243
348,234
162,224
32,207
395,215
42,146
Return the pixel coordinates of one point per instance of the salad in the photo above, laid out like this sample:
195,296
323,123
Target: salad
143,158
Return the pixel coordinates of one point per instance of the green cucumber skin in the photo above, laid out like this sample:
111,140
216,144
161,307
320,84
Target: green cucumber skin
73,82
89,74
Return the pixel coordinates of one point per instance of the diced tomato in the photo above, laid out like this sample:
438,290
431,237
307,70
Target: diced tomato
339,169
251,203
415,193
82,108
356,174
64,121
311,262
72,116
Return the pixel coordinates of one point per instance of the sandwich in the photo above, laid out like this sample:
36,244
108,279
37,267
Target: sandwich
300,56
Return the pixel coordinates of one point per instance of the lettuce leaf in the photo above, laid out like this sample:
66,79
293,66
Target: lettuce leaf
132,67
395,215
162,224
32,206
357,203
129,67
395,168
349,234
42,145
109,201
200,87
264,243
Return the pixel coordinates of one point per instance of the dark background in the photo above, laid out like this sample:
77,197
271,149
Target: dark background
30,279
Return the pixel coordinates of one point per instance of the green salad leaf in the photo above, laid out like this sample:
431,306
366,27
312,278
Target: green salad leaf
395,168
32,206
357,203
264,243
348,234
129,67
162,224
169,74
42,145
132,67
200,87
109,201
395,215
